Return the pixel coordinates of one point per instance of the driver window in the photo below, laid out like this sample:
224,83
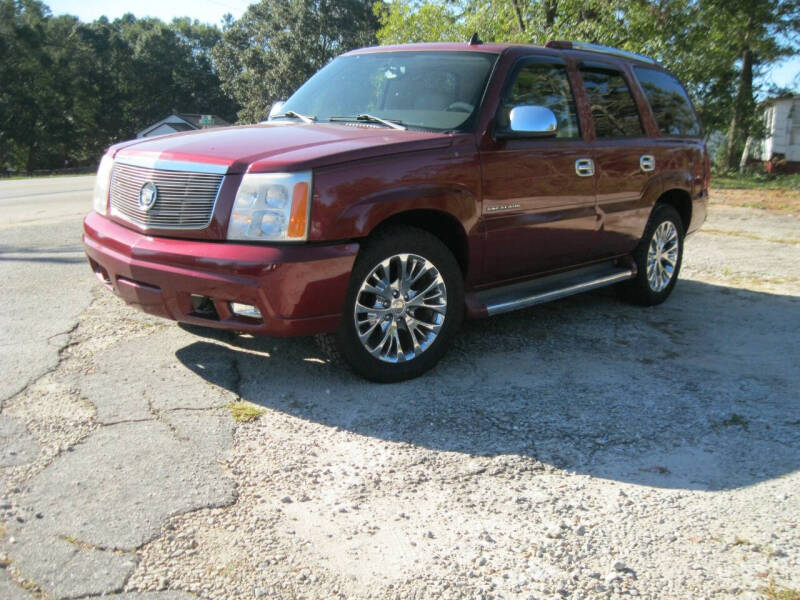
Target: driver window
543,84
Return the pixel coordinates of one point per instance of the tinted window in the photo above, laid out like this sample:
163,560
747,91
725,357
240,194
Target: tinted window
670,103
432,90
542,84
613,108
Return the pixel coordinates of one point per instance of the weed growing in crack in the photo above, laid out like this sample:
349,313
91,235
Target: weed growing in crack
244,412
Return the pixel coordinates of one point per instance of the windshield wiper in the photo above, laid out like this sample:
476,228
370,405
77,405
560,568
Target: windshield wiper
372,119
296,115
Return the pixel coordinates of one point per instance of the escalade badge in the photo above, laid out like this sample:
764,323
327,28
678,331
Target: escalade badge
147,196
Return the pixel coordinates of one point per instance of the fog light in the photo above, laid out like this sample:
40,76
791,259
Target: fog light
245,310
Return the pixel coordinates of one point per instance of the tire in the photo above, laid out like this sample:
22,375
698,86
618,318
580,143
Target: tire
654,285
418,318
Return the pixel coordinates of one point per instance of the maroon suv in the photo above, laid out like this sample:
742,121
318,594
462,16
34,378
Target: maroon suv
403,187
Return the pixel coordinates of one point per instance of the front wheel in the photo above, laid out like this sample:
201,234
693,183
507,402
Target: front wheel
404,304
658,259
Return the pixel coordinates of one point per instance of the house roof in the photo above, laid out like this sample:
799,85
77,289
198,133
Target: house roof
194,119
182,122
781,98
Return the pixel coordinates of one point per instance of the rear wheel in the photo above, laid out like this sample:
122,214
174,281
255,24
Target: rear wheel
658,259
404,304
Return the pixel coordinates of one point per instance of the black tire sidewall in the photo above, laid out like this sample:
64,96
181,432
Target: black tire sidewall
638,290
385,244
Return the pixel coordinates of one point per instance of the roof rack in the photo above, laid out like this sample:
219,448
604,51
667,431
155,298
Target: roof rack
563,45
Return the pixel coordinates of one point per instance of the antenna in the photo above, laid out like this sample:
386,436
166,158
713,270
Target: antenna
475,40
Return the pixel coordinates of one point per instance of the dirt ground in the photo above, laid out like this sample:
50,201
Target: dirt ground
785,202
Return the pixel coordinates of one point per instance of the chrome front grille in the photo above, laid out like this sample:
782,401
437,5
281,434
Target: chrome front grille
184,200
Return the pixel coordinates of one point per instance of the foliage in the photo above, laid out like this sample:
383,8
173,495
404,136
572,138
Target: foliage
261,60
702,41
69,89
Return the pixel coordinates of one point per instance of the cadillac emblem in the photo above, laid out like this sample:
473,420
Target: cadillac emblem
147,196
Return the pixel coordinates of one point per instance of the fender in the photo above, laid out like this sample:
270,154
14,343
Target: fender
347,206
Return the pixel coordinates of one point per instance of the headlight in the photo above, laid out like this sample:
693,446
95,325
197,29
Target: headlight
101,185
271,207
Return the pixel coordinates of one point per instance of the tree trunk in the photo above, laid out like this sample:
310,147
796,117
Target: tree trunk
743,104
518,12
550,11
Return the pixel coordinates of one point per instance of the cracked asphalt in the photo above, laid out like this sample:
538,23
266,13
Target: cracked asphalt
581,449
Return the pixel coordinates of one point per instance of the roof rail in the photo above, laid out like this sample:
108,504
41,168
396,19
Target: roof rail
563,45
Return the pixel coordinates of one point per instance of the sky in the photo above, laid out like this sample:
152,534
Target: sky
209,11
785,74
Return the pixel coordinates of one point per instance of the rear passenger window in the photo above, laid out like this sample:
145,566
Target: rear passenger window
613,109
670,103
543,84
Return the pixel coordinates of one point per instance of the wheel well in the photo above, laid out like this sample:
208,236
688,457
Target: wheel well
680,201
440,224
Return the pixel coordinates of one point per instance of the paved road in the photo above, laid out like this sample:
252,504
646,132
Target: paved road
580,449
45,279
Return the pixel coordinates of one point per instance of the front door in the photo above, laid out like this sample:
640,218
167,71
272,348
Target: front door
538,193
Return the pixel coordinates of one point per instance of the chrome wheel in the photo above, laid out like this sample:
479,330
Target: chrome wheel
662,256
400,308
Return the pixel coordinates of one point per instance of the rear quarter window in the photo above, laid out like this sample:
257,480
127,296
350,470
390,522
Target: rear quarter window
670,103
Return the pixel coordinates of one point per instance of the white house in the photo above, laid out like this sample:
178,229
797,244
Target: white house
780,147
182,122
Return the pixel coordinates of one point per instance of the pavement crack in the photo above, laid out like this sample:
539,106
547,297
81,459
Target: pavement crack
124,421
71,539
60,356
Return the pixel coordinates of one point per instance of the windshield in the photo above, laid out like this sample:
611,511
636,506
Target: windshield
430,90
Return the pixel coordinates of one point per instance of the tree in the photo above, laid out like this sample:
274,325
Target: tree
277,44
759,33
716,47
70,89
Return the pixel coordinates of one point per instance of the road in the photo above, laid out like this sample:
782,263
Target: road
45,279
581,449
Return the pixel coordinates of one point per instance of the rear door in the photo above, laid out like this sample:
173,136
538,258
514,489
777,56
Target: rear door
538,212
625,163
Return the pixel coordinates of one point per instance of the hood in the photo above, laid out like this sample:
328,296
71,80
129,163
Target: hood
273,146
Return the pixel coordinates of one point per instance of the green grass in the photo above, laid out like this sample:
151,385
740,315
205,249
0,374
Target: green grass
776,592
244,412
747,181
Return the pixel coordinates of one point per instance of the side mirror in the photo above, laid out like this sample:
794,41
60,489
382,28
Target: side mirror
276,108
530,122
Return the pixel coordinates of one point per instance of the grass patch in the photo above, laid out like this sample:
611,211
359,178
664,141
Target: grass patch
776,592
760,181
244,412
736,420
752,236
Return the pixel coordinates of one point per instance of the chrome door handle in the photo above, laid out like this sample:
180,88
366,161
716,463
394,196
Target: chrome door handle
584,167
647,162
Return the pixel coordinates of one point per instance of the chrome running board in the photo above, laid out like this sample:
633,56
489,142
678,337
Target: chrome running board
552,287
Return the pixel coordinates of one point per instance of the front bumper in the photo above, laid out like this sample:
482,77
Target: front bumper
299,289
